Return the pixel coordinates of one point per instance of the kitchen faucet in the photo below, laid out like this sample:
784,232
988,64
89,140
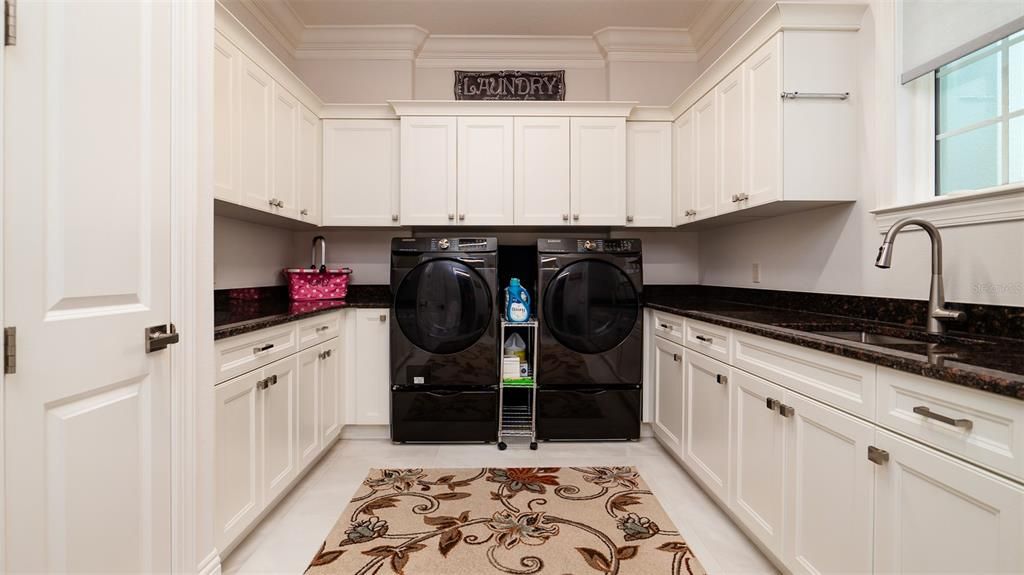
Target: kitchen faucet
937,311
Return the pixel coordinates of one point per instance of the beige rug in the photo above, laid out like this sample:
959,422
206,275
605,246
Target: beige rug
550,520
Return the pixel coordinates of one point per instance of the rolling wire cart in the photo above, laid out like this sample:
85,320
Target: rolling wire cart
517,397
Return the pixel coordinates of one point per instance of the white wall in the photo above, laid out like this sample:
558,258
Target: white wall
367,252
250,255
649,83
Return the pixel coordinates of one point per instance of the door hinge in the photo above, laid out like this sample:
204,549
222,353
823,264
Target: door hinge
10,22
10,350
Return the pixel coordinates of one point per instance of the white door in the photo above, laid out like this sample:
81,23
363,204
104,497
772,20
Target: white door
372,375
541,171
255,134
332,408
597,177
684,171
935,514
307,403
309,155
277,427
758,434
649,174
730,156
706,415
485,171
87,268
705,177
668,393
428,172
238,456
762,76
361,172
285,147
829,490
226,66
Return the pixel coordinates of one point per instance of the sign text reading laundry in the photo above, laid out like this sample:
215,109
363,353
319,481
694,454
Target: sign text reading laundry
510,85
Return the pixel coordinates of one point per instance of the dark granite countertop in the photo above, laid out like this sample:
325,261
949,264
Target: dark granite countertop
985,362
250,309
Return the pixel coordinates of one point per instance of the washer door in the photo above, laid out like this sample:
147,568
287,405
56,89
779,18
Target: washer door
443,306
590,306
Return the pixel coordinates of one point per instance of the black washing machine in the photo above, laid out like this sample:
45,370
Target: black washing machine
444,349
590,365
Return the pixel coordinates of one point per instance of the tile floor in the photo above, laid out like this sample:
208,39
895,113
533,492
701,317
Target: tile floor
286,540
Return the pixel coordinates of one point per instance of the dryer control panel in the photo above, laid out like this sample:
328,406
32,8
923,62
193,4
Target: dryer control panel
585,246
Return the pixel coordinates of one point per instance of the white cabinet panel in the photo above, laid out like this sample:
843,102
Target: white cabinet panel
668,393
309,156
371,374
307,402
934,514
762,165
706,441
684,151
361,172
541,167
277,427
238,456
255,134
731,134
705,176
597,181
226,74
485,195
649,174
428,170
285,191
332,408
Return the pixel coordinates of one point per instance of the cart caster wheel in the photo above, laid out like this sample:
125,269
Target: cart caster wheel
501,446
533,445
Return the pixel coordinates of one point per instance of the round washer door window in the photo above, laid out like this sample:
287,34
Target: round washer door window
443,306
590,306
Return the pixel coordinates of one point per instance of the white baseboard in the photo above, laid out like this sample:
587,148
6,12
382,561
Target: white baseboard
366,432
210,565
646,430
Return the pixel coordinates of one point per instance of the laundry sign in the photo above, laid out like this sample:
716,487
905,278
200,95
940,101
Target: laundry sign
510,85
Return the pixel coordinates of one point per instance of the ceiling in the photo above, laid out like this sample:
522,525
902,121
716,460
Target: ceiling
503,17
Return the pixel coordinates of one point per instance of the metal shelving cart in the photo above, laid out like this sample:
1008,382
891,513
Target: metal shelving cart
517,397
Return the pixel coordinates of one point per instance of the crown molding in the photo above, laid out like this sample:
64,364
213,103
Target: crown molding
636,44
651,114
451,50
399,42
357,112
510,108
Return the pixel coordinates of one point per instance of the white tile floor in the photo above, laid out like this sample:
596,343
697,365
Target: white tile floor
286,540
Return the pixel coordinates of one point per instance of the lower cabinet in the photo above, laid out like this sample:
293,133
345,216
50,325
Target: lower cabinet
277,417
238,500
706,417
371,370
668,393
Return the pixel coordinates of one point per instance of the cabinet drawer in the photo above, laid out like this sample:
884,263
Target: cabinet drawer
668,326
244,353
316,330
711,340
978,426
838,381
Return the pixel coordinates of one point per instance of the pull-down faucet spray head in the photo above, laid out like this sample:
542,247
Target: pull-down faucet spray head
884,259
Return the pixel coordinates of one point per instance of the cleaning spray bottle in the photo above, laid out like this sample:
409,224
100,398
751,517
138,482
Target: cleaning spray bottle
517,302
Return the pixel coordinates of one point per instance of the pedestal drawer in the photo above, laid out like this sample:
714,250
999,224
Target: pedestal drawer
711,340
318,329
669,326
244,353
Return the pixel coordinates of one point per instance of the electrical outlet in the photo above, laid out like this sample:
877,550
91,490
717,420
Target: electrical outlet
755,273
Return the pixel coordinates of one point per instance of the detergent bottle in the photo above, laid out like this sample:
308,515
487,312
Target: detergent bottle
517,302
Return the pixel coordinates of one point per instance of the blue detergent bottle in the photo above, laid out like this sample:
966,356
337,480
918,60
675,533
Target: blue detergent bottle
517,302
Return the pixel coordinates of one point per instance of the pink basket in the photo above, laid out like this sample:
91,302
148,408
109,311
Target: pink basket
317,282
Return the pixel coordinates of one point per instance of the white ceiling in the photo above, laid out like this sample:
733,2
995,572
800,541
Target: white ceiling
504,17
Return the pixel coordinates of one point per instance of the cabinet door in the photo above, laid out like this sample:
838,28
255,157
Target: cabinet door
361,172
829,490
649,174
307,401
332,407
668,393
285,146
762,76
597,178
541,171
428,173
705,174
255,113
758,433
684,170
936,514
226,68
372,369
730,156
485,171
706,441
309,155
277,427
238,501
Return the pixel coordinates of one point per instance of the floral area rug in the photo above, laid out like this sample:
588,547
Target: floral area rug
550,520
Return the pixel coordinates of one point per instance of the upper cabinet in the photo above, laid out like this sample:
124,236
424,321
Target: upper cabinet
484,167
429,171
649,174
310,178
284,197
226,66
541,165
255,133
361,173
597,177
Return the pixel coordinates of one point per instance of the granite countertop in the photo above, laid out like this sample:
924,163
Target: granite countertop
251,309
984,362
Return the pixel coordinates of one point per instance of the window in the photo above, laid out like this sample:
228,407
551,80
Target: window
979,118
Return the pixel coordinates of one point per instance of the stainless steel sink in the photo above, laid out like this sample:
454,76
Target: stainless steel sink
871,338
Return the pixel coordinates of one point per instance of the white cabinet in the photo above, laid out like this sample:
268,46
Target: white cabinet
684,152
649,174
361,173
369,385
705,177
597,164
762,161
308,165
226,74
484,165
668,393
706,445
284,195
238,456
277,426
332,388
255,133
541,165
729,159
428,170
307,401
936,514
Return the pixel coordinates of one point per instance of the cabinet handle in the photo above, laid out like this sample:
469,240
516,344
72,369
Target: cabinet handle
462,217
272,202
664,326
383,317
877,456
263,384
451,217
786,410
262,348
304,212
575,217
691,212
323,328
629,218
722,379
394,217
325,354
272,379
565,217
676,357
772,403
280,203
703,338
965,424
